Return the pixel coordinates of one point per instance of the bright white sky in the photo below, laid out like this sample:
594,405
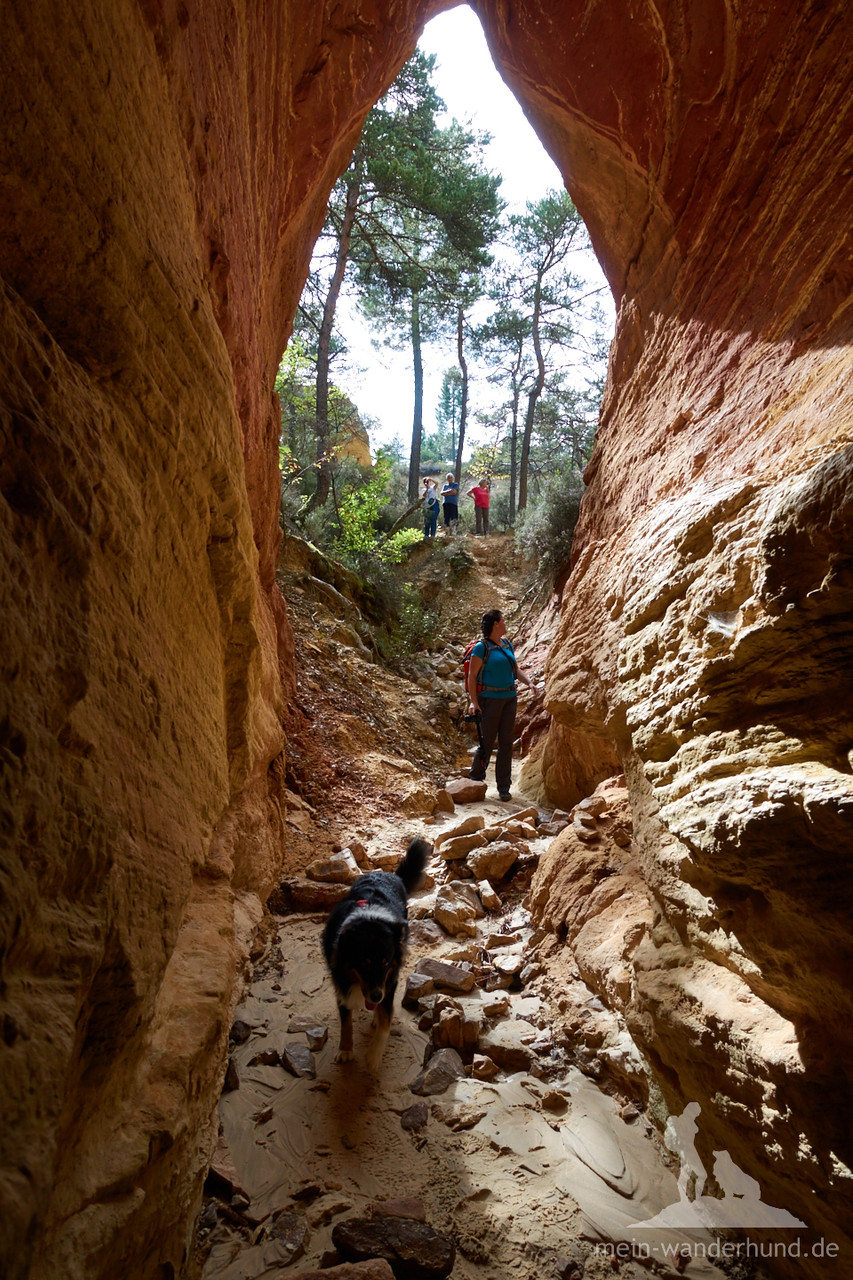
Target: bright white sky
467,81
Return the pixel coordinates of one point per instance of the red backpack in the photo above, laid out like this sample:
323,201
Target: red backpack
466,658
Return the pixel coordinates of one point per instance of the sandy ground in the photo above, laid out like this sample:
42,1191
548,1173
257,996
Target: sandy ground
523,1190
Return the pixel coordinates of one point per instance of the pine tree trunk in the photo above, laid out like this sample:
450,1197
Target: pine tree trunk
533,395
323,434
417,420
463,399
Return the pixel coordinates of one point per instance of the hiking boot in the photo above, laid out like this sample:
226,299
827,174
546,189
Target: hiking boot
504,795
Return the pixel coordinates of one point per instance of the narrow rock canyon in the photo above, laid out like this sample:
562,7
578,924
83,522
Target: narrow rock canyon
164,168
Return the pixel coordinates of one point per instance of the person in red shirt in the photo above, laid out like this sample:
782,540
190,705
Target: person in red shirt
480,494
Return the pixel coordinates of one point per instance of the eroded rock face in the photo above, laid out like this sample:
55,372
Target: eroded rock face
168,169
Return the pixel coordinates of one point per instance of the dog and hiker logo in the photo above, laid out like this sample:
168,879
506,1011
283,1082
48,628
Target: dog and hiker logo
741,1205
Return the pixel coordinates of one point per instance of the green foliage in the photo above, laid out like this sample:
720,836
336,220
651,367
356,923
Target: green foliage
359,510
416,630
360,514
545,530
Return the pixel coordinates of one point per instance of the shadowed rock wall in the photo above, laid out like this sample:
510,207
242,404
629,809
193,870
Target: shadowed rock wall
164,170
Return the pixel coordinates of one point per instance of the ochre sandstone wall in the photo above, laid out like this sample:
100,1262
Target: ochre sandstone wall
707,624
164,169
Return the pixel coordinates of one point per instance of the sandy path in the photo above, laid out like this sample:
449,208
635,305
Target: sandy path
522,1190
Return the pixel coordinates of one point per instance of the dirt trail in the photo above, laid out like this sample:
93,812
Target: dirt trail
528,1173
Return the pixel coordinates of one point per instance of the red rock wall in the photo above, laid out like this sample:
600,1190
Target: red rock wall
164,168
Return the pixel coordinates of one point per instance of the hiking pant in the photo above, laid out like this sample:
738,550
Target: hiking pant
430,520
451,514
481,520
498,721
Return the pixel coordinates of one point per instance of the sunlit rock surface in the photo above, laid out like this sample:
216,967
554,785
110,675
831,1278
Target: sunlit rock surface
165,168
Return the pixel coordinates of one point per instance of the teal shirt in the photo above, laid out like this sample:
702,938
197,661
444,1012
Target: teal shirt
498,669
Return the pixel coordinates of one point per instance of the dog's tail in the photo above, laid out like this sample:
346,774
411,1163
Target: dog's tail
411,868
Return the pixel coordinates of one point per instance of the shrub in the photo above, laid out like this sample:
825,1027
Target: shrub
545,530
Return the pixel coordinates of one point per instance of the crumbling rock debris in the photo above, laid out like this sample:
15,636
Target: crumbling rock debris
415,1117
414,1250
466,790
287,1233
450,976
443,1068
301,894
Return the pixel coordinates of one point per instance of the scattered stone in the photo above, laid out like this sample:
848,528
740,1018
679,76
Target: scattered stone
530,814
496,1006
509,964
417,986
466,790
232,1077
524,830
483,1068
439,1074
425,933
458,1115
459,846
584,826
630,1113
444,801
338,868
452,1028
401,1206
317,1038
455,911
266,1058
298,1060
489,898
302,894
302,1022
415,1116
621,836
528,973
504,1044
380,861
239,1033
493,862
450,976
261,1117
285,1236
358,851
476,822
593,805
415,1250
501,940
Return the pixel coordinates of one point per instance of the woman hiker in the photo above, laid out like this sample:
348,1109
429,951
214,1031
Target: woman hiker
450,498
480,494
492,676
430,497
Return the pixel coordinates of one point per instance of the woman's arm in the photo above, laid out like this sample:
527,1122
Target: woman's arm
474,667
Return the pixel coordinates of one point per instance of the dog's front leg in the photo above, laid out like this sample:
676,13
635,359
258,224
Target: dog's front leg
344,1053
381,1031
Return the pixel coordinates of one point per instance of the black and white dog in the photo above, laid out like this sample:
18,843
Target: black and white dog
364,941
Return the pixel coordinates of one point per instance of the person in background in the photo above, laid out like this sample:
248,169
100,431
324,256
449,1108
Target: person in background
480,494
430,496
493,674
450,498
